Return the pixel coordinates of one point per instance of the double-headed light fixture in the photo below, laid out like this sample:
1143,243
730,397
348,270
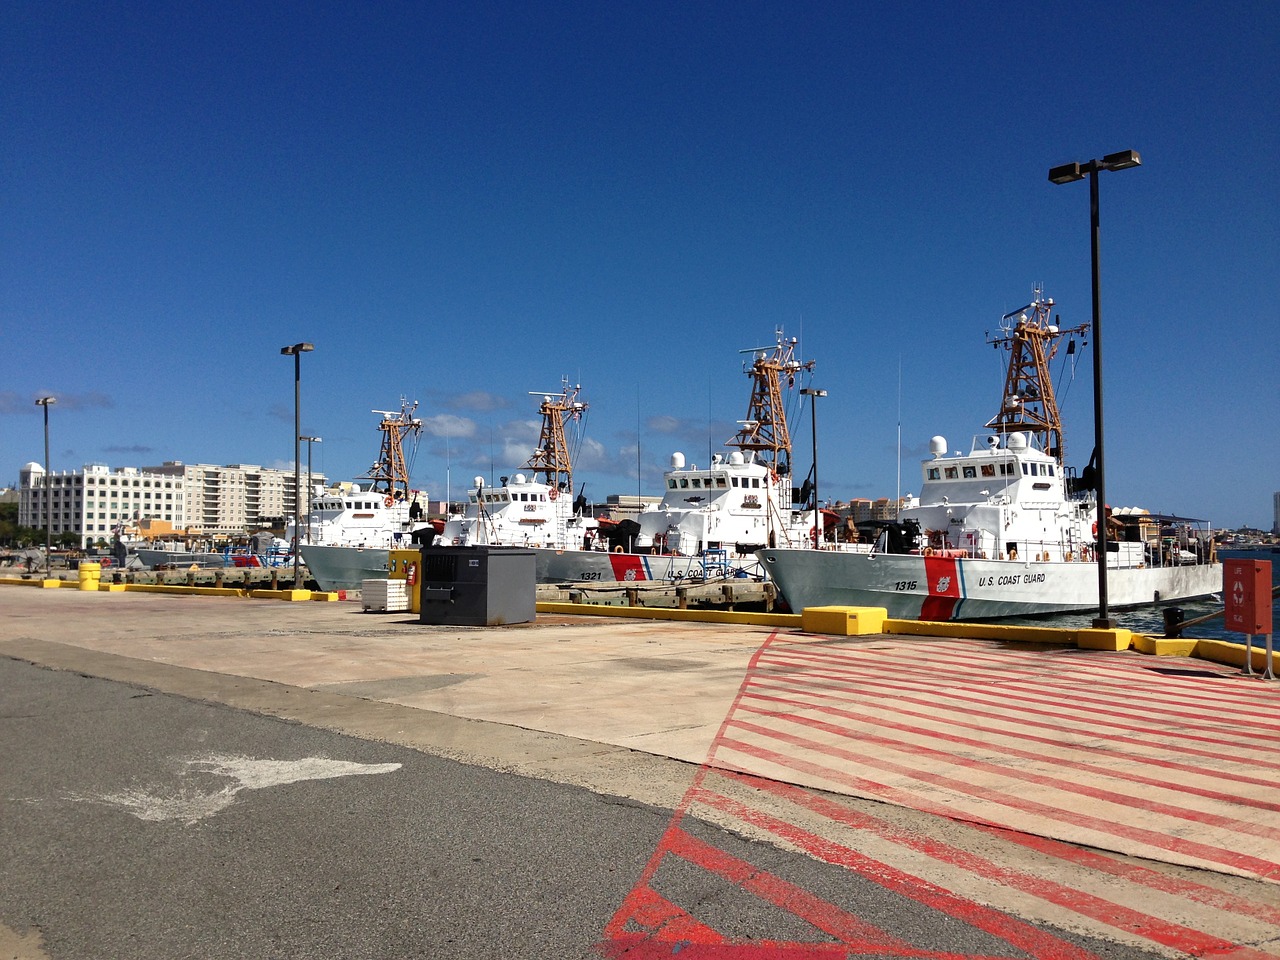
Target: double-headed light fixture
1069,173
48,485
813,395
296,351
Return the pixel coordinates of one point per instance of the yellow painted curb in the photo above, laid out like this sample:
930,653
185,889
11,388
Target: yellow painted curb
669,613
324,595
1222,651
180,591
289,594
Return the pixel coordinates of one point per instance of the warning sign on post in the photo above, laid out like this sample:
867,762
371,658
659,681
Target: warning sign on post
1246,588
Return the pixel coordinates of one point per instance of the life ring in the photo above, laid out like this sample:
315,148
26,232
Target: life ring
1013,554
928,551
389,500
618,550
552,493
774,477
1095,528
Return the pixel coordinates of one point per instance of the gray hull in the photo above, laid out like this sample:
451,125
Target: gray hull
344,568
587,566
913,587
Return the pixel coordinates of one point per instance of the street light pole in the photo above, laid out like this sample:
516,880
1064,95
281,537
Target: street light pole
1069,173
813,396
309,441
48,487
296,351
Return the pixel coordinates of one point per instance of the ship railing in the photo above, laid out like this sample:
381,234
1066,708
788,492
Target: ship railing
715,563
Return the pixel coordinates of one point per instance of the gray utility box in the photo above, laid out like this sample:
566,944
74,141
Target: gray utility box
477,586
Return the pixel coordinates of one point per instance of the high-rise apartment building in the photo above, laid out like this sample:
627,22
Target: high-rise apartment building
94,501
200,498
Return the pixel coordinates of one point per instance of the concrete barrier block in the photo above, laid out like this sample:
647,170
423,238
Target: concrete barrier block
1164,646
843,621
1090,639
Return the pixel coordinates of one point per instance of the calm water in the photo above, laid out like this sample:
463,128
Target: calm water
1150,620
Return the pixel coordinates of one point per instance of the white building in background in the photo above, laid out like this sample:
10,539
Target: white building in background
94,501
201,499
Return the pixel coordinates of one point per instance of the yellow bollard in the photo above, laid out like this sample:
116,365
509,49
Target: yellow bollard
90,574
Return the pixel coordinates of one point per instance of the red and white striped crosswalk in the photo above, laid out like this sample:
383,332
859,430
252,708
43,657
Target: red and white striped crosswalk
1049,774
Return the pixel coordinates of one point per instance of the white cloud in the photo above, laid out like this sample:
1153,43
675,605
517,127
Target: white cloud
448,425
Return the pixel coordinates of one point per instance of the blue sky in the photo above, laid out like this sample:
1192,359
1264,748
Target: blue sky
460,203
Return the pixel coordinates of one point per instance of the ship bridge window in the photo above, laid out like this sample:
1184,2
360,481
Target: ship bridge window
952,473
970,473
721,482
684,482
1006,469
697,483
988,470
935,473
671,484
1051,469
734,481
1026,469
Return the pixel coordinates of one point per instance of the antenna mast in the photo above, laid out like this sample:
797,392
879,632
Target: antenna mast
390,473
765,432
552,458
1028,402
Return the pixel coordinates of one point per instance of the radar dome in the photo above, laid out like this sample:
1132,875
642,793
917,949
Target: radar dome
736,458
521,478
1017,441
479,482
938,446
677,461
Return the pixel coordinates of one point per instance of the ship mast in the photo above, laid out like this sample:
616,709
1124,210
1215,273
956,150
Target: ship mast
765,432
1028,403
552,458
390,474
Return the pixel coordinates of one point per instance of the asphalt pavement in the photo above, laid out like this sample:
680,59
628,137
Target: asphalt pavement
208,777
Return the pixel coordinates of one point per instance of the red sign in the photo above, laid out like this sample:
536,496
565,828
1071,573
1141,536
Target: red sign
1246,588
